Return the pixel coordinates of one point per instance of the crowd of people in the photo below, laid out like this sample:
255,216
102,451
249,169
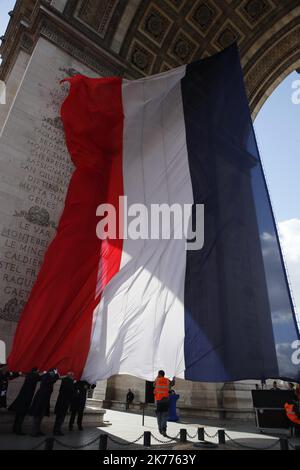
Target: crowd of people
36,402
72,398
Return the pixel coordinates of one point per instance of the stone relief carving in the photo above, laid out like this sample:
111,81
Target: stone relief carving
37,215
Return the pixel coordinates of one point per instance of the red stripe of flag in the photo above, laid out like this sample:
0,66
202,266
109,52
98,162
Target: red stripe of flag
55,326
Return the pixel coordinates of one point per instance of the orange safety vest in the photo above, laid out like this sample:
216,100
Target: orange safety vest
162,387
289,409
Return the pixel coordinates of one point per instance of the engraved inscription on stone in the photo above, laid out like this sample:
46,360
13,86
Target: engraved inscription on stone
35,173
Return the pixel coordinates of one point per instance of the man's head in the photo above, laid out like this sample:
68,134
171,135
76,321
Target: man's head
70,375
274,384
161,373
291,386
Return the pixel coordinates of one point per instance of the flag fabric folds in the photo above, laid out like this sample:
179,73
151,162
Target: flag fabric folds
134,306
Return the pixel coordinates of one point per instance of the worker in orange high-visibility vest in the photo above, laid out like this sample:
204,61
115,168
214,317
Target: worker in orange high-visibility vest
291,413
162,386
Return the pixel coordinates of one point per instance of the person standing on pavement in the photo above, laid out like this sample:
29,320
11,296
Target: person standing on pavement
63,402
41,403
129,398
172,415
5,377
78,403
162,386
22,403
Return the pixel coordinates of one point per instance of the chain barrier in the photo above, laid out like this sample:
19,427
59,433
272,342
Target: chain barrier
39,445
292,446
238,444
69,446
125,443
171,439
210,436
191,436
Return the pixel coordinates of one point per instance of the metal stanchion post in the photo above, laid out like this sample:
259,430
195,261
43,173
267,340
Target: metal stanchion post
201,436
284,444
103,442
143,418
147,439
182,435
221,436
49,443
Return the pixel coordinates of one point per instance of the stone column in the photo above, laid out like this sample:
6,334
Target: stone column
99,392
237,399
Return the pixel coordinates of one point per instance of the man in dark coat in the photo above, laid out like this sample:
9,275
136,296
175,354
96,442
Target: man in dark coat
3,385
78,403
63,402
23,401
129,398
5,377
41,403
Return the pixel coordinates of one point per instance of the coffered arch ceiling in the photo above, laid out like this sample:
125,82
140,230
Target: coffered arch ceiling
142,37
156,35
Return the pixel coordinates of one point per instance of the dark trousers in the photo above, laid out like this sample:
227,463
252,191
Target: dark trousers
18,423
59,421
162,418
162,413
79,414
128,403
36,425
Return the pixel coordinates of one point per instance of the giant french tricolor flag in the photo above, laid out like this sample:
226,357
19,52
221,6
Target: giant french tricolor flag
134,306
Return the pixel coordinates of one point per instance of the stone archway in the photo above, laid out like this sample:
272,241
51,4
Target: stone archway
267,70
134,38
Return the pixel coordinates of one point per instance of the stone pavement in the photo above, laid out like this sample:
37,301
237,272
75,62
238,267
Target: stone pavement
127,427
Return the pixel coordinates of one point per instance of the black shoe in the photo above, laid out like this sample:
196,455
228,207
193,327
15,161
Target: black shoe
70,428
40,434
80,428
58,433
20,433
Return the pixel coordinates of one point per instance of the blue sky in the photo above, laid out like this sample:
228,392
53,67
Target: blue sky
5,7
277,128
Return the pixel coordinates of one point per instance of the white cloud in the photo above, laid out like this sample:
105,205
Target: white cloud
289,232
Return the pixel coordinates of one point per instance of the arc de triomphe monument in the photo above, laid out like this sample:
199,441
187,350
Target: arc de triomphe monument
47,40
